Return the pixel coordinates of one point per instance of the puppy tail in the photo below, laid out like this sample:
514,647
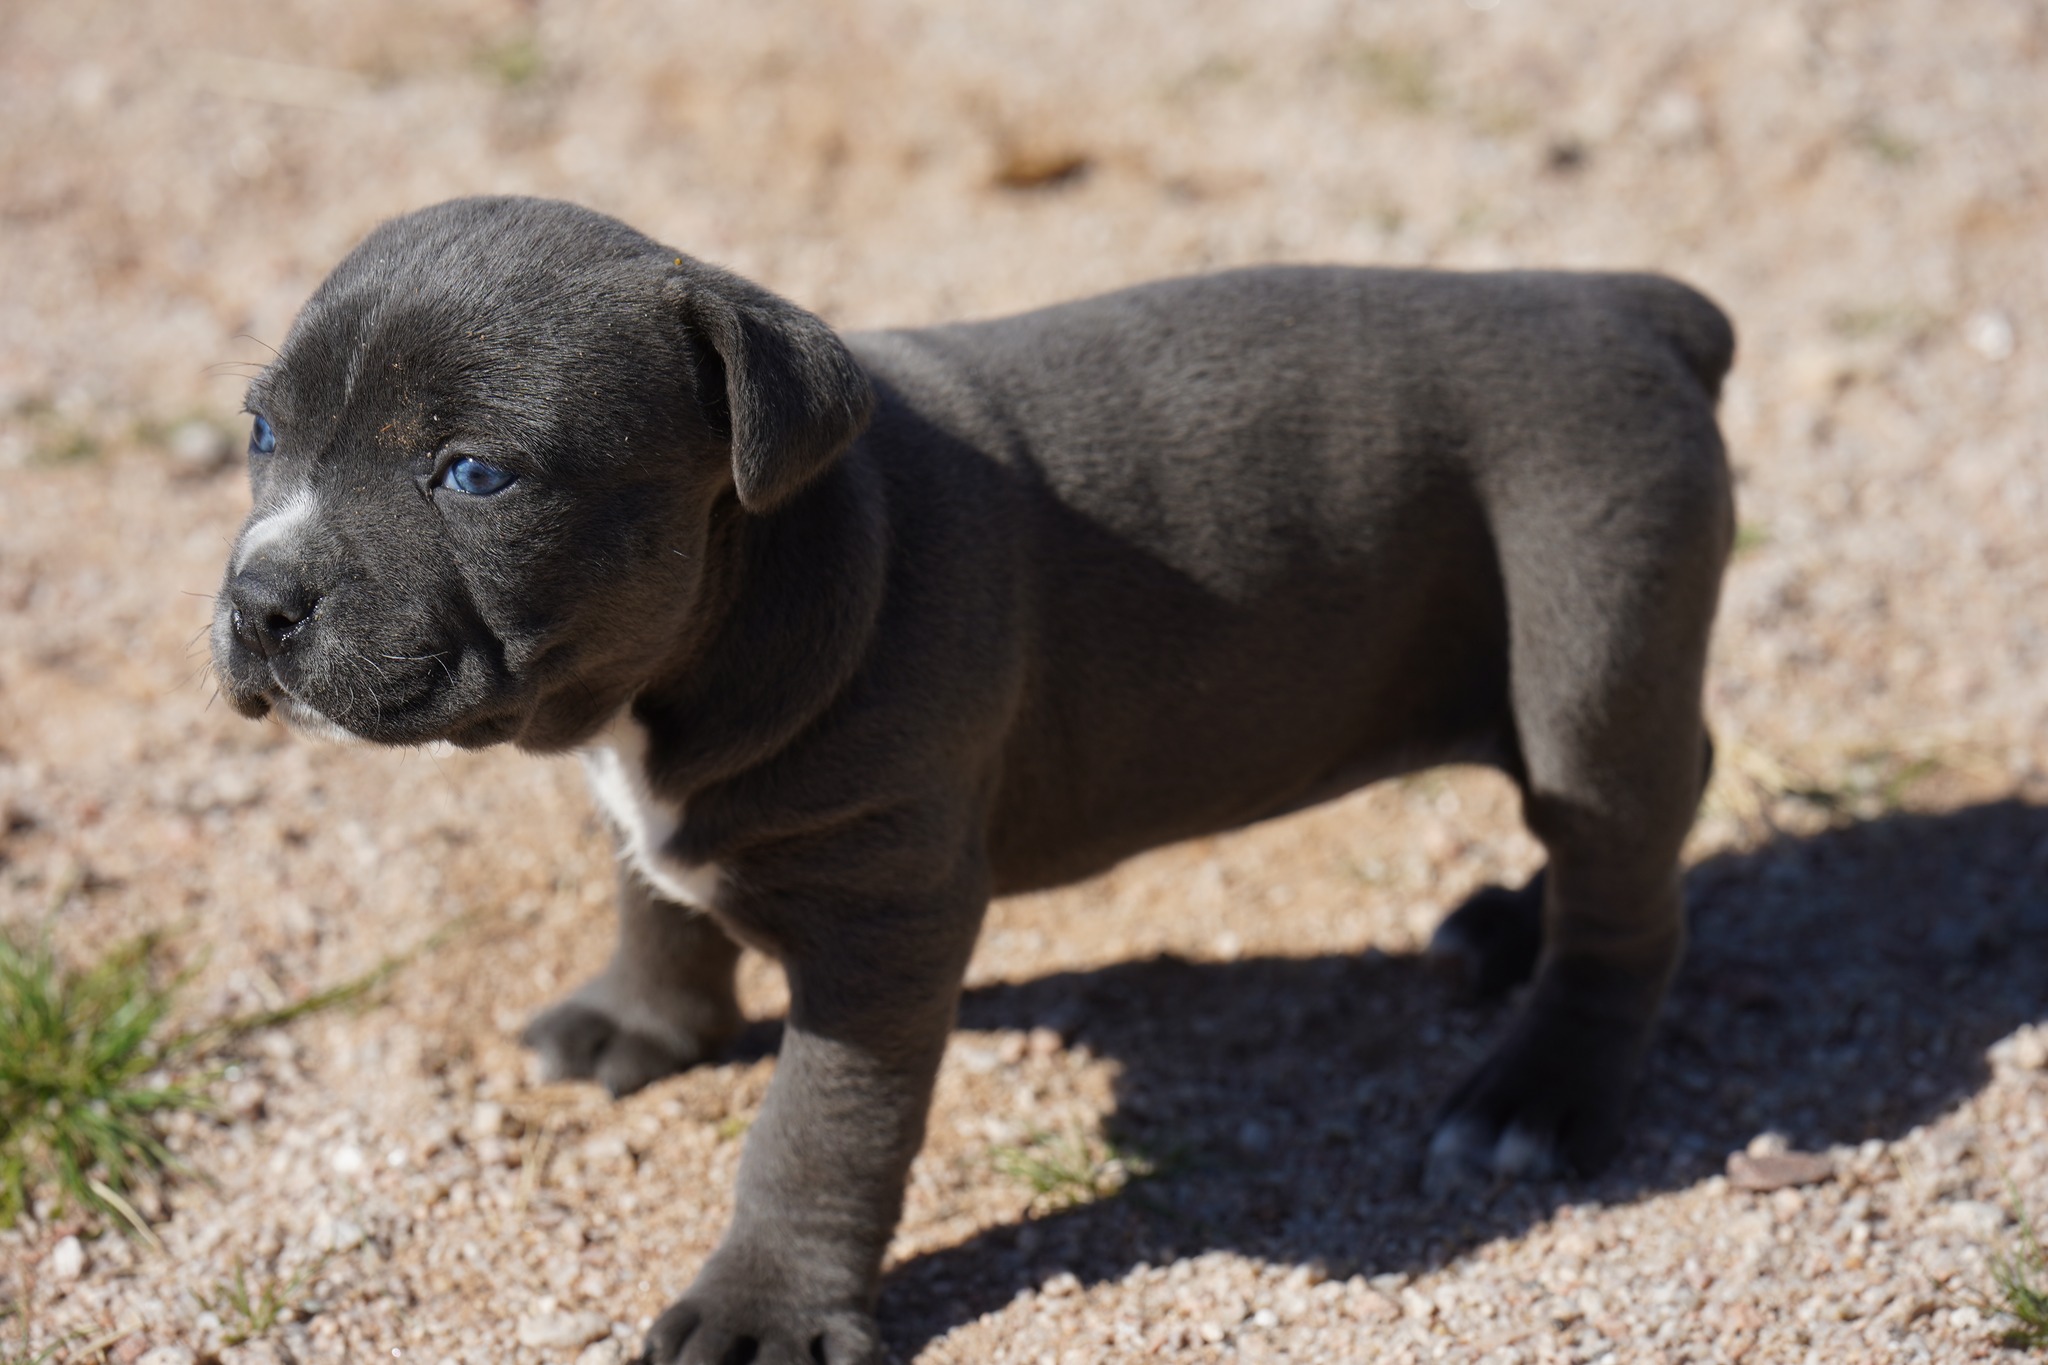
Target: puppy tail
1689,322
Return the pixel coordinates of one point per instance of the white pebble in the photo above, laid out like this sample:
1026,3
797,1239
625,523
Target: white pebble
336,1235
67,1260
346,1159
1061,1285
563,1331
258,1352
1974,1218
1990,334
487,1120
2026,1049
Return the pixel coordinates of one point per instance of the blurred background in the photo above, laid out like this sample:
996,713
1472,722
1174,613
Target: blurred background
1862,184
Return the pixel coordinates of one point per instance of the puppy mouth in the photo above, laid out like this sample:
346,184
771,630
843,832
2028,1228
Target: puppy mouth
337,685
350,708
272,697
311,721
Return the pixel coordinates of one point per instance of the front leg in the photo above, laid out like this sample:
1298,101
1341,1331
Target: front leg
665,1002
873,990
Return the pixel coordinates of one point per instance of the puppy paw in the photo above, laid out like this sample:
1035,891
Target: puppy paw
1549,1102
710,1328
1489,945
581,1040
1467,1152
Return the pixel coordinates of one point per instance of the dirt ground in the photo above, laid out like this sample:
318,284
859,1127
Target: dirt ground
1864,186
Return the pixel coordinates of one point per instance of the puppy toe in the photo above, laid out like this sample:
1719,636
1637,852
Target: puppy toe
848,1339
569,1039
1460,1155
578,1043
1526,1151
760,1331
1548,1101
671,1331
633,1060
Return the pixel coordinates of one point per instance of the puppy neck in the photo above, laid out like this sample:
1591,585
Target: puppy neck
798,601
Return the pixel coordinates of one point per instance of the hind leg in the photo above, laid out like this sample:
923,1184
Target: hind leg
1491,943
1552,1094
1607,658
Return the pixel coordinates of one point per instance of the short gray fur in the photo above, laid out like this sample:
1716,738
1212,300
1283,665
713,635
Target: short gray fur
915,618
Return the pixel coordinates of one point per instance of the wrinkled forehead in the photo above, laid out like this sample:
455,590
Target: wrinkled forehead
410,354
383,345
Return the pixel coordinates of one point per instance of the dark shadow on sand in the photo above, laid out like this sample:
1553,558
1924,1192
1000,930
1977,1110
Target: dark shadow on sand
1839,987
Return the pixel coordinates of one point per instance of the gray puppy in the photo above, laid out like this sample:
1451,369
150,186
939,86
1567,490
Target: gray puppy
855,633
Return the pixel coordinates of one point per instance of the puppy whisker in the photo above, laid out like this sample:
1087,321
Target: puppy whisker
440,657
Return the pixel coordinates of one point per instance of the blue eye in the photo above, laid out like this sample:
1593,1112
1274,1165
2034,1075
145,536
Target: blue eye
477,478
262,440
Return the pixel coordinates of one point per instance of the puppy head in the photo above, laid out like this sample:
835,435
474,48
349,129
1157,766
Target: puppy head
486,464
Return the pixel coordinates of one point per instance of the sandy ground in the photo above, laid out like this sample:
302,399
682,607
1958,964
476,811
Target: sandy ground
1864,187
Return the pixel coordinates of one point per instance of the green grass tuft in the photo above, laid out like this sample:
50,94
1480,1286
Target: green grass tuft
1068,1170
2021,1277
78,1113
248,1311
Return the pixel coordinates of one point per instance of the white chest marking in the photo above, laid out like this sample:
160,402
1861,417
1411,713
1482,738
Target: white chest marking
276,525
615,762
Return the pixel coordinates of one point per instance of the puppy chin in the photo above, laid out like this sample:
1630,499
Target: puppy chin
310,722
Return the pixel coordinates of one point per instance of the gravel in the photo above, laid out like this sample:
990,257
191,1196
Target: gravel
1851,1088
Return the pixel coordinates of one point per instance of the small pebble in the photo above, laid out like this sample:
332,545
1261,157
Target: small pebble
246,1099
2025,1049
338,1235
1990,334
1061,1285
67,1260
487,1120
1975,1219
563,1331
258,1352
1777,1171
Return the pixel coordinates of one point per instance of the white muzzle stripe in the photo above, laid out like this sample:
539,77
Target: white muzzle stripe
274,527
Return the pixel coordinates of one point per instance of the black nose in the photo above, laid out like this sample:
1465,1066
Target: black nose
269,609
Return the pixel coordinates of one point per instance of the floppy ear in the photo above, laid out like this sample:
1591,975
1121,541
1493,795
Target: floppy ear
793,397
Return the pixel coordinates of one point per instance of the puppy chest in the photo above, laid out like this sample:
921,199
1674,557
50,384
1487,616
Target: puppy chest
615,764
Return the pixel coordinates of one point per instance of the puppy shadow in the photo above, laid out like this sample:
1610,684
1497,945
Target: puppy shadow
1838,988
